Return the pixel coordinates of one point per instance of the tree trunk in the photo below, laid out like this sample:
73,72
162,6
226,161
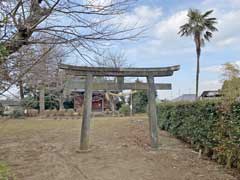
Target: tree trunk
42,100
198,50
61,99
20,83
25,31
197,74
112,103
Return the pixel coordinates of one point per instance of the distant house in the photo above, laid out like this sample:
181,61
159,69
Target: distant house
9,106
210,95
185,97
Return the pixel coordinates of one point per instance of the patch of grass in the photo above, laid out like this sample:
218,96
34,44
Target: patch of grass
4,172
34,126
21,127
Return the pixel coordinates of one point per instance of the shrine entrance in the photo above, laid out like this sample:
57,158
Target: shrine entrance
150,86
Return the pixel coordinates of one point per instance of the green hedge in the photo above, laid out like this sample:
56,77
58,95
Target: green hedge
125,110
208,126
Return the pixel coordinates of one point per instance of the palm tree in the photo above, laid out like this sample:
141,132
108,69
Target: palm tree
201,27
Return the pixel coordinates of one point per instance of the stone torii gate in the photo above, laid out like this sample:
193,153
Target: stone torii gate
89,72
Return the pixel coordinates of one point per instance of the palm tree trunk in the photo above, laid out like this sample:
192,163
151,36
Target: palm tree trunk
197,73
198,50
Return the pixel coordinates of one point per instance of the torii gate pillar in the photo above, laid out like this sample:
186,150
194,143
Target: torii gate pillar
87,109
152,112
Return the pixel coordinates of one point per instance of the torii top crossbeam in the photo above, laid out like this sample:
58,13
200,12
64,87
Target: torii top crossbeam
127,72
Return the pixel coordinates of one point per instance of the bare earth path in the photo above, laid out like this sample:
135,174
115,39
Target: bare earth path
46,150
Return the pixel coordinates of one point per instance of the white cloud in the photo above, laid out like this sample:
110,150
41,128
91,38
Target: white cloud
222,4
212,69
168,28
166,34
164,37
99,2
210,85
217,68
222,42
165,40
229,27
140,16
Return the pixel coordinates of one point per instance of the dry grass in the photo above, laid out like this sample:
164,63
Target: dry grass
37,149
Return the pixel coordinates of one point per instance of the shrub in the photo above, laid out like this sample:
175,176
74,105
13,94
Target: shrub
125,110
140,101
17,113
68,104
33,102
1,109
206,126
30,102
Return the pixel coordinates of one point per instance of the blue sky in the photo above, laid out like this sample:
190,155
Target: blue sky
162,46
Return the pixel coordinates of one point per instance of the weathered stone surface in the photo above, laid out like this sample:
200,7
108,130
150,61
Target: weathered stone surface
152,112
85,132
130,86
126,72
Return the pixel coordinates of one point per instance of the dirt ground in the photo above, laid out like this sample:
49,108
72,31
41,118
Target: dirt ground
46,150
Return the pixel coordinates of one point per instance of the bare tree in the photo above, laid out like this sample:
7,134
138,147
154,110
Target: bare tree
18,65
33,66
115,60
46,76
82,24
111,59
231,83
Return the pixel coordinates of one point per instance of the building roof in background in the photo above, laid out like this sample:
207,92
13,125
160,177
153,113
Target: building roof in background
10,102
185,97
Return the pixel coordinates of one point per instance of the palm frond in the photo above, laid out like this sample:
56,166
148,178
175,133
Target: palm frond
207,35
211,27
185,30
200,24
211,19
207,13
